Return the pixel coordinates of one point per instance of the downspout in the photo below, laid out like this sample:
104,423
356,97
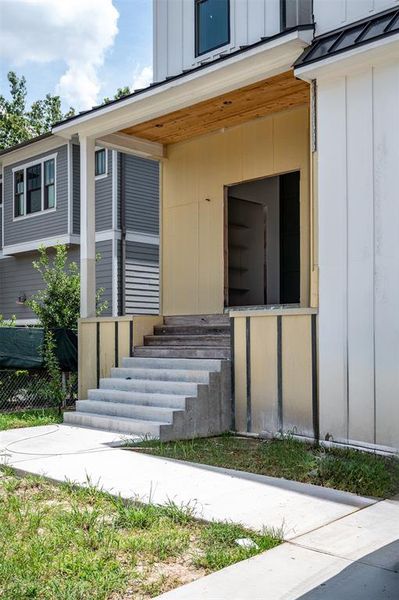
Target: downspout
123,234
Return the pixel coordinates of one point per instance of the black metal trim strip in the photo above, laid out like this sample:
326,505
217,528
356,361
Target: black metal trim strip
116,344
131,338
315,382
233,382
248,371
98,366
280,374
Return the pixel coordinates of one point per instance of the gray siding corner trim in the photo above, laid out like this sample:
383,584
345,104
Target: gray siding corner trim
40,225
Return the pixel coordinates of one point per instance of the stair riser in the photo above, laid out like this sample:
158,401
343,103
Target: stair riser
162,374
193,353
171,363
157,387
197,320
192,330
219,341
142,399
142,429
111,409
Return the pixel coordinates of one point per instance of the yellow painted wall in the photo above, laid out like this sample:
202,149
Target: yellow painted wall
193,180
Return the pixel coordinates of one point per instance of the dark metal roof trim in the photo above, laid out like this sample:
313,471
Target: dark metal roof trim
186,72
351,36
43,136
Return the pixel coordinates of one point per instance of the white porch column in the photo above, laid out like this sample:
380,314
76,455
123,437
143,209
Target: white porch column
87,229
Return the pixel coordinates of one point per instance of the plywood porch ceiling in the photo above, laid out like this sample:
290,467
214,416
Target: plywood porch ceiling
260,99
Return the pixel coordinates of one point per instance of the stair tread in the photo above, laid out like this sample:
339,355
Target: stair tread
115,418
165,409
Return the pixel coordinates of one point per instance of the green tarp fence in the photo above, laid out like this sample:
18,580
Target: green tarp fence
22,348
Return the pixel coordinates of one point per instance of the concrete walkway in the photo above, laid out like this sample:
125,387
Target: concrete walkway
343,543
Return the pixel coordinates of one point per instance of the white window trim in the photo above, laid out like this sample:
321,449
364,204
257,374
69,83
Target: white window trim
23,168
225,49
104,175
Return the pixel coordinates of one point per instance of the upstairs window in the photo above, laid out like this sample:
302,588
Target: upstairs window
34,188
100,162
19,200
212,25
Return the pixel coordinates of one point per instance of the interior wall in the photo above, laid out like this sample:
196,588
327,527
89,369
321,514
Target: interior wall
266,192
193,180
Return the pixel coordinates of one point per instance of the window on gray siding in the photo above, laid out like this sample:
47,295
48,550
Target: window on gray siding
100,162
212,25
19,209
33,189
49,184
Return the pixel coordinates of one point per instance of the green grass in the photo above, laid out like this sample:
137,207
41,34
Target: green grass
61,541
29,418
351,470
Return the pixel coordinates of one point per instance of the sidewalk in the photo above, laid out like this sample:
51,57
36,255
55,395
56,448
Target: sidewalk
61,453
338,546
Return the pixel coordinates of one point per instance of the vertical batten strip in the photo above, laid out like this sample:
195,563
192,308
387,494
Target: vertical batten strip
131,338
315,383
116,344
233,375
98,352
280,374
248,370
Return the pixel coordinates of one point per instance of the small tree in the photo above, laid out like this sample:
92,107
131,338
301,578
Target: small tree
58,303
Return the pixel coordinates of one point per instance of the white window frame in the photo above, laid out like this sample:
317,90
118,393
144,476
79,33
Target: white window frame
96,177
23,168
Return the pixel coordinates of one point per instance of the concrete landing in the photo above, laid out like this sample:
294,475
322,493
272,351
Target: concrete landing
71,453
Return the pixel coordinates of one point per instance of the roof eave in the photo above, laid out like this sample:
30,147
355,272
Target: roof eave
238,70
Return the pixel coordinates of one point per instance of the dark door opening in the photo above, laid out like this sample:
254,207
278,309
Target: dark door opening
263,242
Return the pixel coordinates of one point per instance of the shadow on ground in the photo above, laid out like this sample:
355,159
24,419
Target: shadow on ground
373,577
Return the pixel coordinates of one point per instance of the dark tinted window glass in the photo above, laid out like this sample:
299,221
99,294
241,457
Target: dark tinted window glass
34,189
49,184
100,165
19,193
212,24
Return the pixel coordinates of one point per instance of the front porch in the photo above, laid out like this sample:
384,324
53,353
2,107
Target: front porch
243,140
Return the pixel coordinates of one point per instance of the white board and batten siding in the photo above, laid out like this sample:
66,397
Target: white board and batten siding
332,14
358,149
174,32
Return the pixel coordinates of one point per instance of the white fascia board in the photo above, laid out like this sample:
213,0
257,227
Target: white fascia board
101,236
35,244
383,50
239,70
31,150
132,145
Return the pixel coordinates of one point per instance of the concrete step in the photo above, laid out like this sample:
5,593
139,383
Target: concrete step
139,398
129,411
220,341
197,320
178,352
172,363
137,427
180,388
203,329
161,374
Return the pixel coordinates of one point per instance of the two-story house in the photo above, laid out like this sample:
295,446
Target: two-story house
40,205
276,125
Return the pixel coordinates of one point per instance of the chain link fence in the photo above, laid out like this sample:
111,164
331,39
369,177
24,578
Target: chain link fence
27,389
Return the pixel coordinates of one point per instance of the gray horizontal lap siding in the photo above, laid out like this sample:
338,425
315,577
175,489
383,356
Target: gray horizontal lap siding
142,194
141,278
1,227
103,191
41,225
17,277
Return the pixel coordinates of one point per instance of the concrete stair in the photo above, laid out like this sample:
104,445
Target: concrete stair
176,386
